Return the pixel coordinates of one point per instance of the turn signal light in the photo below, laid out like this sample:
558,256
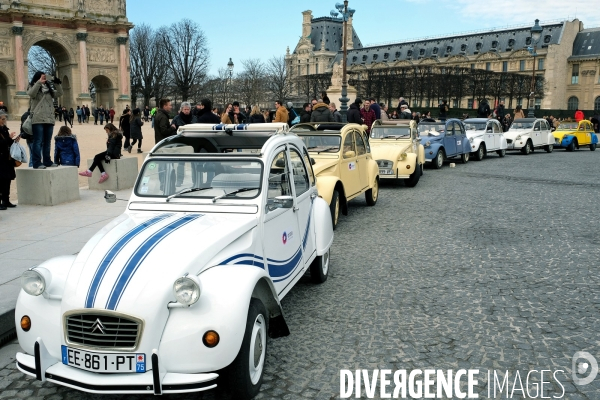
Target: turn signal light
408,167
25,323
210,339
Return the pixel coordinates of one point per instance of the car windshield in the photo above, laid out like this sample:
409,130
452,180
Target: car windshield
431,130
521,125
322,143
567,126
201,178
475,126
379,132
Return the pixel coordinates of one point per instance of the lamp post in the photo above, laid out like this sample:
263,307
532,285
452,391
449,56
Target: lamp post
346,13
230,69
536,33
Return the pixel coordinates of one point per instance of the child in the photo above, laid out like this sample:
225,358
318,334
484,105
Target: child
113,151
66,149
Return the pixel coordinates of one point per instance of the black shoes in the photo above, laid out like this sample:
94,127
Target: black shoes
7,205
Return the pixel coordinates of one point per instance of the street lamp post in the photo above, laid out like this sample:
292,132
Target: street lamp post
536,33
346,13
228,85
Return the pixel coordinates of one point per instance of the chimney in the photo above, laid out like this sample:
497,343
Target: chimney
350,33
306,23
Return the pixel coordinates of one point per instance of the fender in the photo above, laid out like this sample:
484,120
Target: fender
373,171
44,310
421,154
433,149
466,146
222,307
474,147
410,161
323,225
325,186
566,140
594,138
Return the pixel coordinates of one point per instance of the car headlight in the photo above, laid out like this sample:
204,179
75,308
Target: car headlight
402,157
35,281
428,144
471,140
518,137
187,290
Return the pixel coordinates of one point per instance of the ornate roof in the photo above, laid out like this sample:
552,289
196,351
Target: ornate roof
586,45
328,31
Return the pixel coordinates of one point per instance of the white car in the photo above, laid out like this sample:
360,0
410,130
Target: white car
527,134
179,293
485,135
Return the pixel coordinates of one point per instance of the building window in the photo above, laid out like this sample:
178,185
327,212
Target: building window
409,53
317,68
575,75
398,54
435,50
386,56
540,64
455,103
478,46
538,103
364,58
504,66
299,70
494,44
470,103
528,41
547,38
522,65
488,66
449,49
511,42
422,52
307,69
573,103
520,101
375,57
472,67
597,104
463,47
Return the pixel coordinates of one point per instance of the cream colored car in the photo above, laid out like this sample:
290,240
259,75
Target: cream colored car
342,161
398,151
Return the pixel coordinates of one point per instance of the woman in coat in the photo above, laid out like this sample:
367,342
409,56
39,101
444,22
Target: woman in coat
519,112
135,130
42,110
66,149
7,164
125,127
256,116
114,143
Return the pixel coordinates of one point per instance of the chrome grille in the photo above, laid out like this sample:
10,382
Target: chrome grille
106,331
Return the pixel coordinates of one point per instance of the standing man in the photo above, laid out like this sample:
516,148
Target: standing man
401,102
101,114
375,107
146,113
354,115
111,114
321,113
235,115
483,111
443,111
501,112
87,114
162,128
337,117
368,115
384,114
95,115
281,113
305,116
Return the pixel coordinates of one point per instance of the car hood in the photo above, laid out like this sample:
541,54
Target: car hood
322,164
560,134
474,134
513,133
432,139
389,151
131,264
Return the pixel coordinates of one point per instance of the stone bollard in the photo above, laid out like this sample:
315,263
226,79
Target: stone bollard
122,174
47,187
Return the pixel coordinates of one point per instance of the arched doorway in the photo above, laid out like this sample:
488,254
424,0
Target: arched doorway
573,103
4,91
67,98
103,92
53,59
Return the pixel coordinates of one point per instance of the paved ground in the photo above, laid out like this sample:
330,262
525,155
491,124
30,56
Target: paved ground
490,265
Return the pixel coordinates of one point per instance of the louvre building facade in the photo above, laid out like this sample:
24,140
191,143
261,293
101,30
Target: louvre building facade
462,69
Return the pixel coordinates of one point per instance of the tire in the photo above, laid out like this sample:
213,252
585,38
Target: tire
464,158
438,161
593,147
549,148
413,179
334,207
571,146
501,153
319,269
422,169
480,153
244,375
372,194
527,148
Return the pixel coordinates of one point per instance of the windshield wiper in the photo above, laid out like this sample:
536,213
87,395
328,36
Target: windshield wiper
328,149
187,190
232,193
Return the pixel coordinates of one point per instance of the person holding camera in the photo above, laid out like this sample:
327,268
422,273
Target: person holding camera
42,96
113,152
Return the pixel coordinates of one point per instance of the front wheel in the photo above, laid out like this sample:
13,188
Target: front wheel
245,374
413,179
334,207
571,146
319,269
549,148
501,153
438,161
593,147
480,153
527,148
372,194
464,158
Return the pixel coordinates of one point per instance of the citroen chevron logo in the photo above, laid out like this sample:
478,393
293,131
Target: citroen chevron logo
98,326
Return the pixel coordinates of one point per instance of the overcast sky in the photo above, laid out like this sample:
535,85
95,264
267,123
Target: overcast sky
261,29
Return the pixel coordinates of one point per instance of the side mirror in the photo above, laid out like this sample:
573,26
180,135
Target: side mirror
349,154
312,161
110,197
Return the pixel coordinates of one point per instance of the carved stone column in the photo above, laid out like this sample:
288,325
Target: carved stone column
83,68
19,59
124,77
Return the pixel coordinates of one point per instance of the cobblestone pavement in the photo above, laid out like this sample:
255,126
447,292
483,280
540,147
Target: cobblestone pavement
490,265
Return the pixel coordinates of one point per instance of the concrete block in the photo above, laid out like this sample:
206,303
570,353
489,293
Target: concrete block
47,187
122,174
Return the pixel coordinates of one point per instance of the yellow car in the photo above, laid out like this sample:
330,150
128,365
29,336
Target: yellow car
342,161
572,135
398,151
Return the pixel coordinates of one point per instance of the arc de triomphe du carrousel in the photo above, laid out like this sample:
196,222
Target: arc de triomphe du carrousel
87,39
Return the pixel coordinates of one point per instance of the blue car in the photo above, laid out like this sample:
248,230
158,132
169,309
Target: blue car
444,140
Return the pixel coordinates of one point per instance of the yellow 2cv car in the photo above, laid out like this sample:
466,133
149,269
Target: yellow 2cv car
342,161
397,150
573,135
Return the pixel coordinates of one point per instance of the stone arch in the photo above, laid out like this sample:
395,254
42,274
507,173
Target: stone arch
105,91
63,52
573,103
67,98
4,93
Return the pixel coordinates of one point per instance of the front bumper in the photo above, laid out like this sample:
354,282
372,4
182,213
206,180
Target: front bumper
44,367
515,144
389,173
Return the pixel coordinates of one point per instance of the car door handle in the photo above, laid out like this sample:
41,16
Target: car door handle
313,196
296,208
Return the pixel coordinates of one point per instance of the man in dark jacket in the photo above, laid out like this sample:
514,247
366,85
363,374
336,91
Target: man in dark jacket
375,107
443,111
321,113
204,114
162,128
500,112
483,111
305,116
353,115
236,115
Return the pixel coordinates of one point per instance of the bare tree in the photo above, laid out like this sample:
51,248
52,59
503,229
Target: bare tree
250,82
40,59
186,50
278,81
